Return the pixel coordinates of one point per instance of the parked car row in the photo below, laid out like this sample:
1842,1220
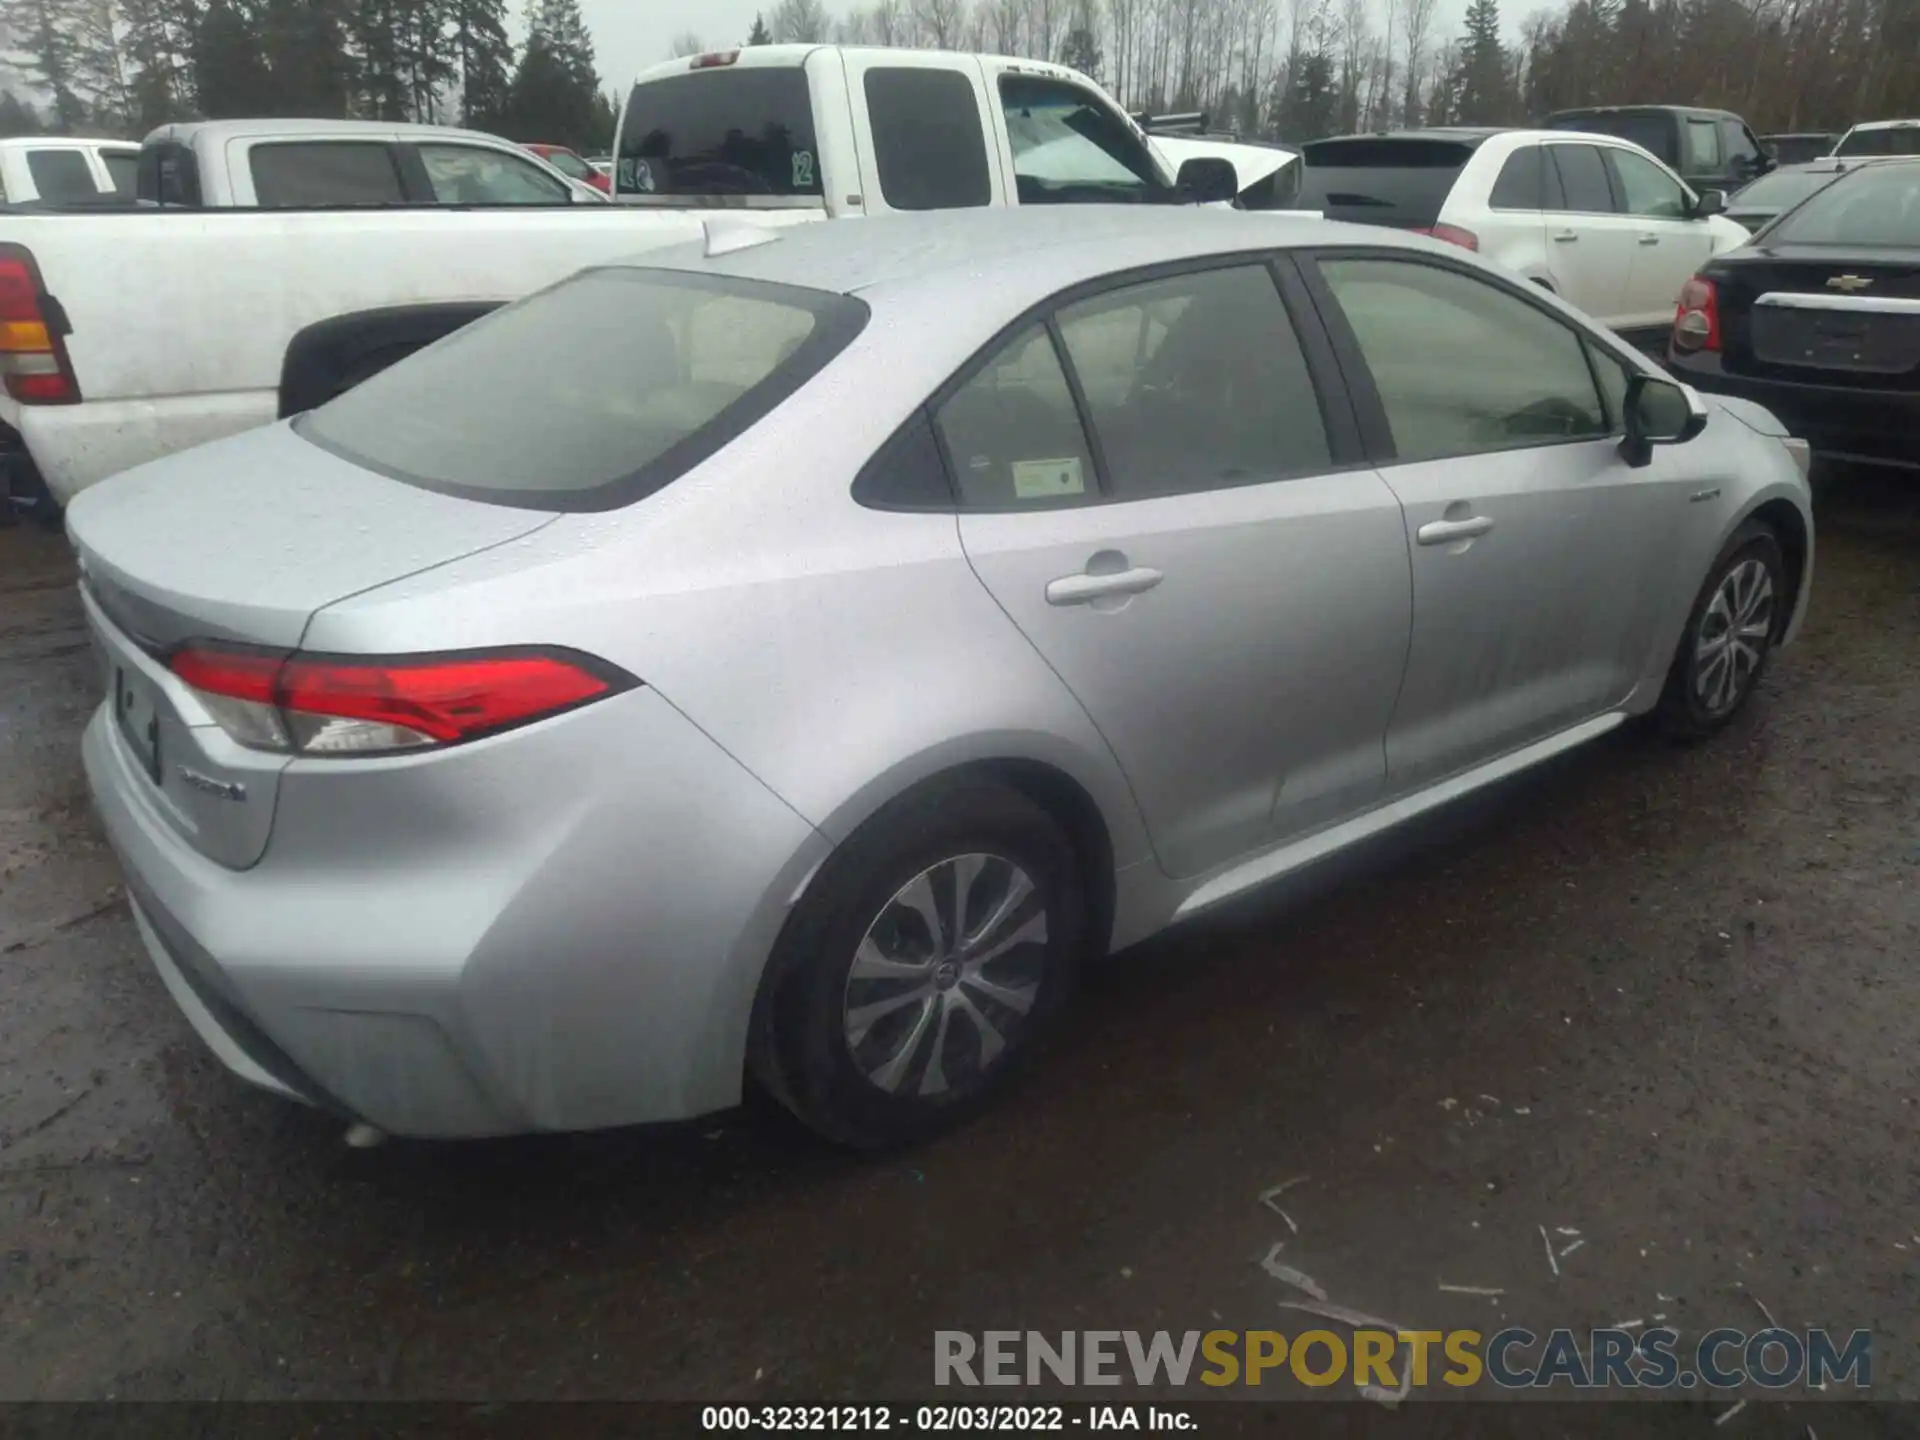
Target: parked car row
322,252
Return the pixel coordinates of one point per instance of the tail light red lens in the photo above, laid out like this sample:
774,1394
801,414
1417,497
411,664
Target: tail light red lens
714,59
33,357
1452,234
364,705
1696,319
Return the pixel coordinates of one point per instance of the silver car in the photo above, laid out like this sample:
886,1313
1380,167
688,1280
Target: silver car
788,656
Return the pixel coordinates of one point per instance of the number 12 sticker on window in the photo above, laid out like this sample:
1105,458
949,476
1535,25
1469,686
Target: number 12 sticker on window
1046,479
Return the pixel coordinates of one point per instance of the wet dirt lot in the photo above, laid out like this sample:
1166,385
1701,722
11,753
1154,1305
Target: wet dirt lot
1667,999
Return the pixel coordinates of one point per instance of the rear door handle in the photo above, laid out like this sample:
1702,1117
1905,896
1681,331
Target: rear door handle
1441,532
1079,589
1649,239
1565,237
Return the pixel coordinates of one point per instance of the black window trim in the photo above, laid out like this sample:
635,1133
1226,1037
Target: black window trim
1345,440
839,319
1358,375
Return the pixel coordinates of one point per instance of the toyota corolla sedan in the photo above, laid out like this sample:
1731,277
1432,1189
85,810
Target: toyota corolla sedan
788,657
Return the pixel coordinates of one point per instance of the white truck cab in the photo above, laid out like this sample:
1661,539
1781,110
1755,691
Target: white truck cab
848,130
64,169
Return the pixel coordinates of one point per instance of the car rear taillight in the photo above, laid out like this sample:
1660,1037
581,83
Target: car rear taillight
1696,319
33,356
713,59
369,705
1452,234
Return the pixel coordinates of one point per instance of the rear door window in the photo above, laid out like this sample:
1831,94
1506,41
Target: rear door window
1194,383
1384,181
729,131
1522,182
320,173
590,394
478,175
61,175
927,142
1583,178
1012,433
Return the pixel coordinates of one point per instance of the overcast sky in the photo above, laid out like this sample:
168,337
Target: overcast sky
629,35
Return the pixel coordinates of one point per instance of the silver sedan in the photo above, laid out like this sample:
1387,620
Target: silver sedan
788,657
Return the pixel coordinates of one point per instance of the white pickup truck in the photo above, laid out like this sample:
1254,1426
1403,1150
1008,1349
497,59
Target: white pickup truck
61,169
125,336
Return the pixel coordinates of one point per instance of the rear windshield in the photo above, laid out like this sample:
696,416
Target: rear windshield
1649,132
1781,189
590,394
1379,182
745,132
1899,140
1874,205
61,175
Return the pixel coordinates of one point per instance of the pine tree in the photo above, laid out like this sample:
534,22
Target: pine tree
555,94
1486,89
16,117
759,34
230,70
485,60
304,45
157,37
46,37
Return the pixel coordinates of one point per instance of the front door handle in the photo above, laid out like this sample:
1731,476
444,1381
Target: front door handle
1079,589
1566,237
1649,239
1442,532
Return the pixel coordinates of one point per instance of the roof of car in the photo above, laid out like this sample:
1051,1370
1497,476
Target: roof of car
64,142
187,131
1645,110
1017,252
1886,124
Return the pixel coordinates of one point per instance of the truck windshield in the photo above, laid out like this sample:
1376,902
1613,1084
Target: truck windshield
745,131
591,394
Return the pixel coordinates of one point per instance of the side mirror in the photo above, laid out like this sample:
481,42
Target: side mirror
1208,180
1710,202
1658,412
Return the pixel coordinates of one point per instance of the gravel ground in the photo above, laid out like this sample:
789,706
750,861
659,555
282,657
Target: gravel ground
1663,997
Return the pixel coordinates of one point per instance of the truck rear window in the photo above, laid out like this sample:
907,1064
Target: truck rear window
590,394
1650,132
1387,181
1894,140
61,175
733,132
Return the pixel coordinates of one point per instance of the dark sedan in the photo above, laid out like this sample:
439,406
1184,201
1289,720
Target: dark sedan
1819,318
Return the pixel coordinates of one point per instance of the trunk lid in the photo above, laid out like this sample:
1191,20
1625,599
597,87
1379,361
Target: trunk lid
242,540
1822,315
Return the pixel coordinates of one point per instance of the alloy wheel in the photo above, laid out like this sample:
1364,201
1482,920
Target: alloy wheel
946,975
1733,637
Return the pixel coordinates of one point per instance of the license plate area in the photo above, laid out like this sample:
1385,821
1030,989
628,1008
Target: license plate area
1864,343
136,713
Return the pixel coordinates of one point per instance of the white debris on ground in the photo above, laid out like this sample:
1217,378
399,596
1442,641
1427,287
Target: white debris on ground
1287,1275
1726,1415
1552,1262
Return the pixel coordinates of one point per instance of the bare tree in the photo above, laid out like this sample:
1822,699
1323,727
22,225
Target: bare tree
684,44
800,22
1417,21
940,21
886,22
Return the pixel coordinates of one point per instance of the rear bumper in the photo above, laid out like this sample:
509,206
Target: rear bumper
590,960
1880,427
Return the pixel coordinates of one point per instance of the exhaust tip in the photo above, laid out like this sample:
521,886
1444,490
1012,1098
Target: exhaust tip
362,1136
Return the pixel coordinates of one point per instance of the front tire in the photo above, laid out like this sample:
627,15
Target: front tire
1731,630
922,965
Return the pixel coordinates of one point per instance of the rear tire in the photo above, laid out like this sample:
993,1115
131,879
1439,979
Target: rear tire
1729,638
923,964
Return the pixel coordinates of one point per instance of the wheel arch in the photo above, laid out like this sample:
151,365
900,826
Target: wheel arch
1790,527
323,357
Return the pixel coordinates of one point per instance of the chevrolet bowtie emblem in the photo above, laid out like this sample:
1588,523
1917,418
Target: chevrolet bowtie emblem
1849,283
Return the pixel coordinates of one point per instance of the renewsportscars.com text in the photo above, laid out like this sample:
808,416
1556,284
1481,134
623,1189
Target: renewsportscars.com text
1399,1360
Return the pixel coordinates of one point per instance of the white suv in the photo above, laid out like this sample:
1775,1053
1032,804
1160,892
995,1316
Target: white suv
1595,219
